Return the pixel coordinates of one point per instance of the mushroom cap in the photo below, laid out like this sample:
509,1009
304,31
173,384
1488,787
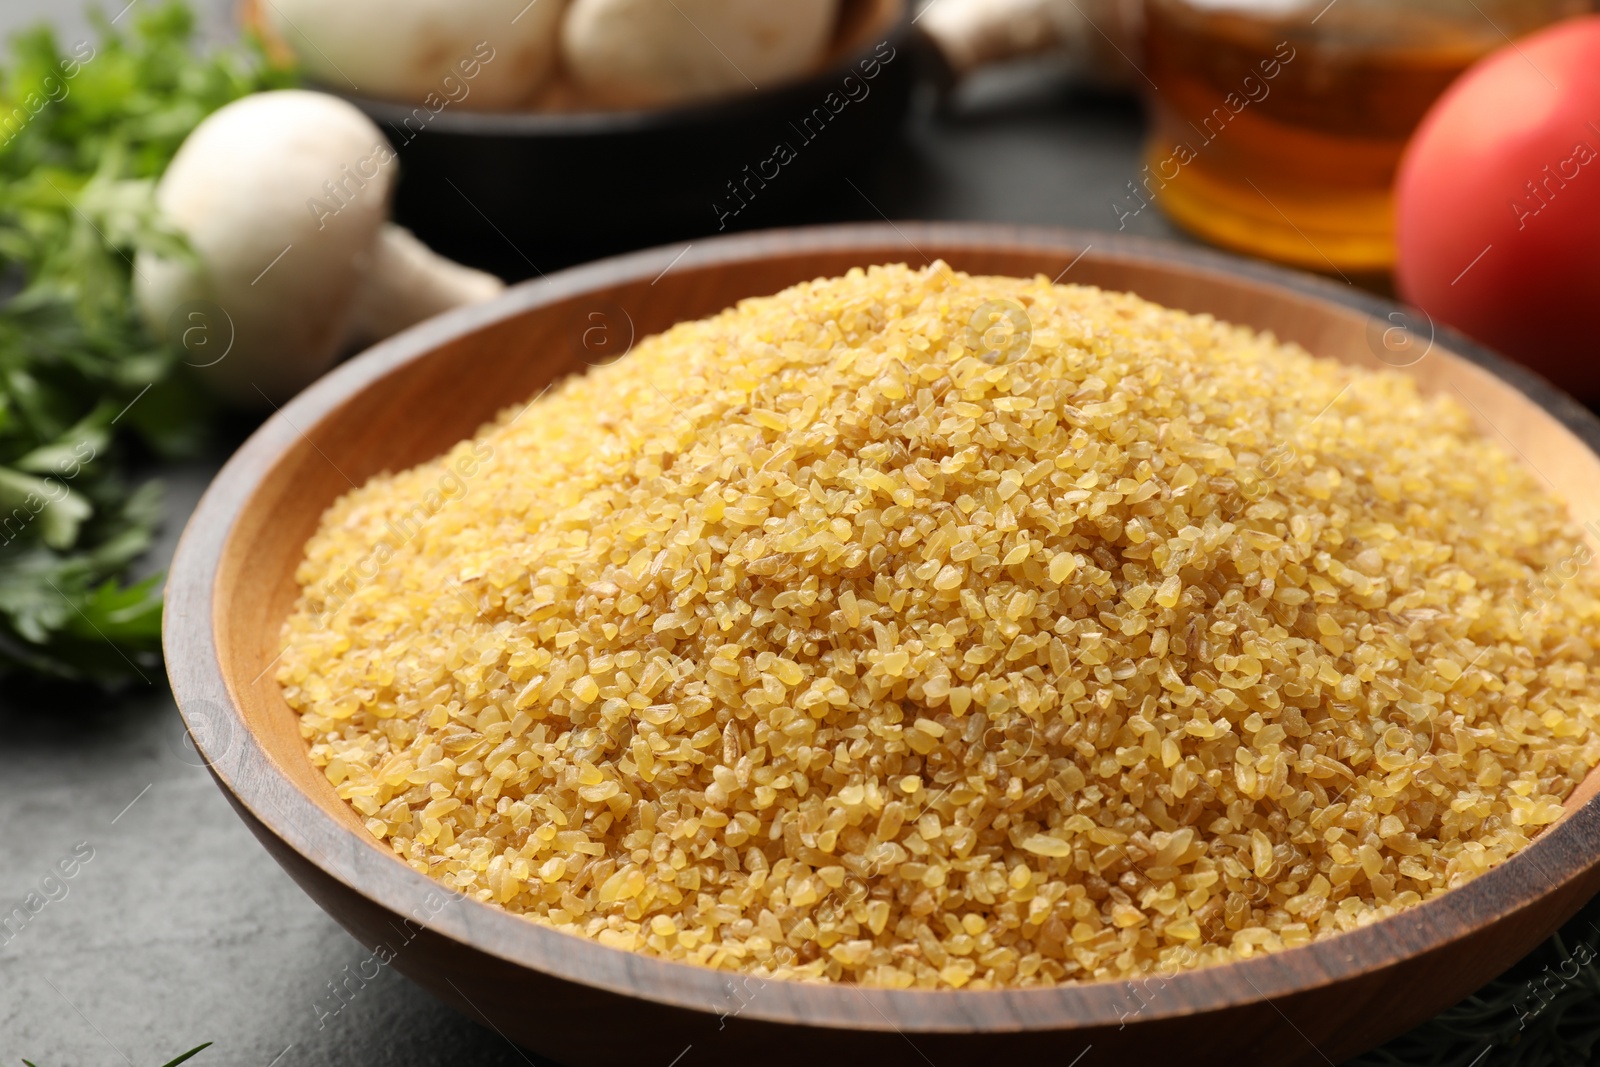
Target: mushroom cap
652,52
282,196
478,54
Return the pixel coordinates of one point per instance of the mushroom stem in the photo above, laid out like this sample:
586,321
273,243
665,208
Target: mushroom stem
405,282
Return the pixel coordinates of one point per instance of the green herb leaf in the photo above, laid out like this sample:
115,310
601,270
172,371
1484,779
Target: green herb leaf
170,1063
85,132
187,1055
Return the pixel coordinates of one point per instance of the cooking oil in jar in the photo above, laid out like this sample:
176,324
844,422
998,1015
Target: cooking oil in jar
1277,125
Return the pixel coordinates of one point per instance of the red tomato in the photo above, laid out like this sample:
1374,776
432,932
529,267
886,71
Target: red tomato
1498,205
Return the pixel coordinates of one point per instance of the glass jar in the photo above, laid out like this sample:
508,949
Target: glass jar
1278,124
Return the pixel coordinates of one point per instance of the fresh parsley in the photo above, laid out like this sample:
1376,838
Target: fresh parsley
85,132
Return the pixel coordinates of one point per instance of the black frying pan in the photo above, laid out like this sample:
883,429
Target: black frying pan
525,192
521,193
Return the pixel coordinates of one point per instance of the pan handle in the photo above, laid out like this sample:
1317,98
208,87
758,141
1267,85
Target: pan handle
1102,34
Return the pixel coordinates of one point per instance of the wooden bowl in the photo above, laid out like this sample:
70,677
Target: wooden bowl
583,1004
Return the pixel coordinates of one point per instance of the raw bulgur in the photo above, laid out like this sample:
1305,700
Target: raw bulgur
832,638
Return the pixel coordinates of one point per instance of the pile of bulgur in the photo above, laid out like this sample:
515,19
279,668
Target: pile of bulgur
918,629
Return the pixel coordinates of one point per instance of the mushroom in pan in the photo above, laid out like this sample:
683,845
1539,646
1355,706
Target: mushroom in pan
496,53
654,52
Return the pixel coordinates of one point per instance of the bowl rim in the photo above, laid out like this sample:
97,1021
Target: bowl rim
1558,856
452,121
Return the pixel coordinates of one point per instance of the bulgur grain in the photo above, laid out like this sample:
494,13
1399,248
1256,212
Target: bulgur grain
815,641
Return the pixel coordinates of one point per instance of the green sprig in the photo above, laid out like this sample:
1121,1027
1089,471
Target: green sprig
85,132
170,1063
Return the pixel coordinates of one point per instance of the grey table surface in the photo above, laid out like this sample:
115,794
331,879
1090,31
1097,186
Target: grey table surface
179,928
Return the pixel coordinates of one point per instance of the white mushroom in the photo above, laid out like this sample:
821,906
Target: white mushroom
648,52
493,53
284,198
